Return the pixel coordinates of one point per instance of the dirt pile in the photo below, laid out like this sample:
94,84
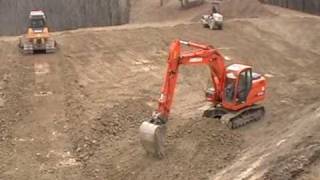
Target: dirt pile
63,15
113,124
114,137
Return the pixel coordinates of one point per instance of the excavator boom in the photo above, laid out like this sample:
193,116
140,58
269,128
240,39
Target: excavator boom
203,55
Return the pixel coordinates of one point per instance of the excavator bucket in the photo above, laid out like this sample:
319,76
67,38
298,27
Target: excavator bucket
152,137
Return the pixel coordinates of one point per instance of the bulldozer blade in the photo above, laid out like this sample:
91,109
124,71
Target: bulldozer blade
27,47
152,137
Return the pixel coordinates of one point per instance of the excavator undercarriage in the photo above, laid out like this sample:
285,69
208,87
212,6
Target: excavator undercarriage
236,119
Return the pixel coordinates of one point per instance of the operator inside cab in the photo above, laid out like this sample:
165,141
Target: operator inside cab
37,23
37,20
214,9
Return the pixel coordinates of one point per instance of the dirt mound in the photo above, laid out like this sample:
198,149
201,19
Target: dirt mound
113,124
114,137
243,9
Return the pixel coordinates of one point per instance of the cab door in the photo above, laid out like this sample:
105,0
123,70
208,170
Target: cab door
244,86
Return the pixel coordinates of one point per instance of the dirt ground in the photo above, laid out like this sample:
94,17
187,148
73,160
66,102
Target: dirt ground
75,114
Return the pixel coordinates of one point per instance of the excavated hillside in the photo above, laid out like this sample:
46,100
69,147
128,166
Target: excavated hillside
75,114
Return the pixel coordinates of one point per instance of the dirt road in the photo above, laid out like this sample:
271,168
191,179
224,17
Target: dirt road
39,146
75,114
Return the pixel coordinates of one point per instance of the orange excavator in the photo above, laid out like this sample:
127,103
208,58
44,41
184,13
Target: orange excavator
234,96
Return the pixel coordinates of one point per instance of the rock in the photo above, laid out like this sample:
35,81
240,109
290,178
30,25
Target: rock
78,149
268,75
222,141
227,58
2,101
6,78
91,153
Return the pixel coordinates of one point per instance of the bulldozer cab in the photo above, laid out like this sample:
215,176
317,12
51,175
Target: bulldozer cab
238,84
37,20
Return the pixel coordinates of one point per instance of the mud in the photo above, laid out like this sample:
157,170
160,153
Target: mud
75,114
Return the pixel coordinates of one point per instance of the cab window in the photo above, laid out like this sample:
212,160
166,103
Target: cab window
244,86
37,23
229,88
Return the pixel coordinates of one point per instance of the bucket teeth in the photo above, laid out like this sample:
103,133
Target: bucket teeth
152,137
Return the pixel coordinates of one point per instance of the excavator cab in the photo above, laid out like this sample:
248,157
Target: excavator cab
238,84
242,87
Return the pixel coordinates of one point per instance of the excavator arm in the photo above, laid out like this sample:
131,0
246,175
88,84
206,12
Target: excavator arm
203,54
152,132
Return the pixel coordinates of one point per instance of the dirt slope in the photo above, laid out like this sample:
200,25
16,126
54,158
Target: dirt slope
146,11
75,114
244,9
